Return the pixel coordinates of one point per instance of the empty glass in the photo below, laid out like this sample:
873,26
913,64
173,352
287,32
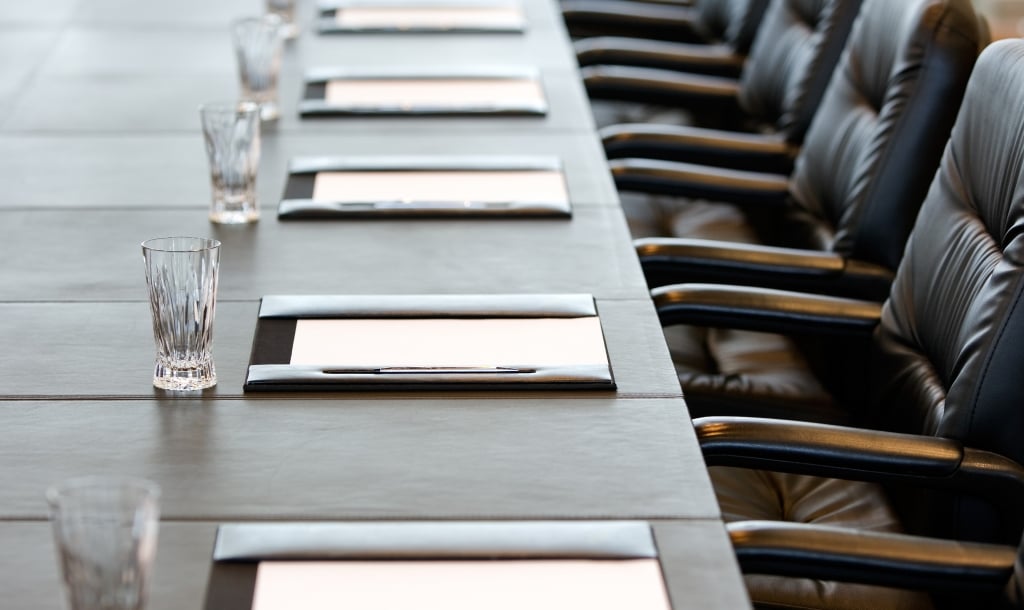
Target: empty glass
285,10
181,274
232,135
258,42
105,529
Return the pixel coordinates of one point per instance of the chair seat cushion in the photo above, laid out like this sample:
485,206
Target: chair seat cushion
745,494
667,216
735,372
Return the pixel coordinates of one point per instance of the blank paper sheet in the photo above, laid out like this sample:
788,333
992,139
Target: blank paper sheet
635,584
449,342
429,17
441,185
433,92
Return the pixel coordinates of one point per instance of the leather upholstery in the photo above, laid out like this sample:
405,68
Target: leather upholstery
729,22
794,52
881,131
980,571
944,360
792,60
735,22
856,188
746,495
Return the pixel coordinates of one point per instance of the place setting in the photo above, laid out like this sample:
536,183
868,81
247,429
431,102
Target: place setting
419,17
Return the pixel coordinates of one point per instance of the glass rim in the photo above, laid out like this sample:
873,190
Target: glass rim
243,106
202,244
266,18
147,487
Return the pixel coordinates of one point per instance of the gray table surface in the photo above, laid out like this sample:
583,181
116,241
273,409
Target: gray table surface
96,255
66,340
169,170
182,565
101,145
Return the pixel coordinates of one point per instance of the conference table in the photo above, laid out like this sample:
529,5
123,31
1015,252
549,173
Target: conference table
102,149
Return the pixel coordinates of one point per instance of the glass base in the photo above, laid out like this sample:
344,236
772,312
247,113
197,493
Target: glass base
198,378
234,217
289,31
234,209
269,111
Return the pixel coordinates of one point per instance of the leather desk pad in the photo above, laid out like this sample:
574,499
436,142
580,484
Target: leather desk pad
428,342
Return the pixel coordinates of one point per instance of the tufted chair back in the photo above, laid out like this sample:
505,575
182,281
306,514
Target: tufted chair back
734,22
873,147
949,352
796,48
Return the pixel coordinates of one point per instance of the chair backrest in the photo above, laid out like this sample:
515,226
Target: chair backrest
948,356
734,22
794,53
874,146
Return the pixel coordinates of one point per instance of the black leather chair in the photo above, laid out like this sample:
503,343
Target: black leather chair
718,34
939,389
845,211
702,22
838,225
971,575
797,45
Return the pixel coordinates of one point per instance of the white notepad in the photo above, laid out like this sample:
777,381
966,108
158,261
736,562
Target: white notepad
440,185
428,17
448,342
634,584
433,92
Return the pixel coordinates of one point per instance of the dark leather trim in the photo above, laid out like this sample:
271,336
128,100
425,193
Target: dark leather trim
763,309
521,376
753,256
314,104
829,553
863,455
668,260
653,86
700,182
713,147
627,18
327,23
714,59
802,446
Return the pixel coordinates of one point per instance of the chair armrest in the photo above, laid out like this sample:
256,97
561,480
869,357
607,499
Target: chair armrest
763,309
863,455
884,559
669,2
812,448
700,182
653,86
729,149
715,59
641,19
667,260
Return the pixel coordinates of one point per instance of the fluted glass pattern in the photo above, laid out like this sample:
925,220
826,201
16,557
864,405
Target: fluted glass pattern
105,529
285,11
232,135
258,43
181,274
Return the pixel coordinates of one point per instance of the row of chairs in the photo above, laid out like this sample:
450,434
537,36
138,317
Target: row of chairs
839,271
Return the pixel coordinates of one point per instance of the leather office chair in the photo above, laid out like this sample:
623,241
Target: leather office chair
940,389
797,45
700,22
972,575
845,211
838,224
718,34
